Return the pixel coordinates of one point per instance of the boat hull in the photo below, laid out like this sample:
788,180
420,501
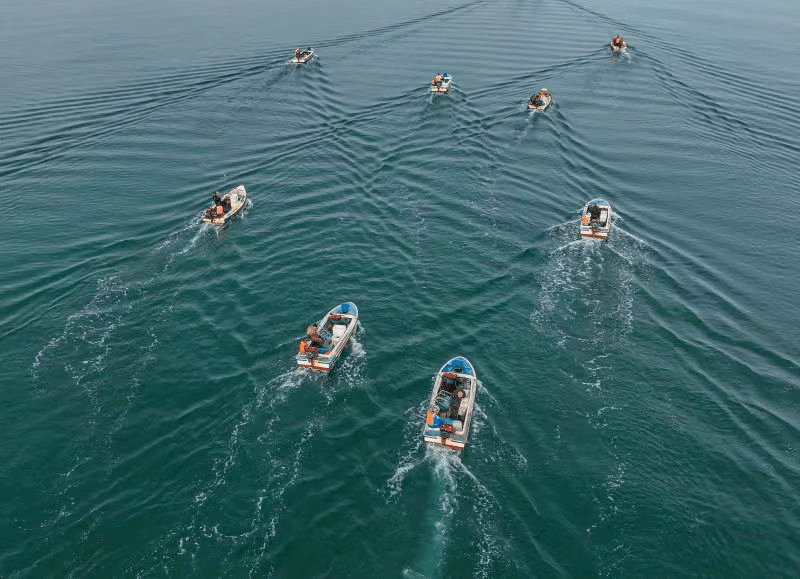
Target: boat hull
240,195
451,406
324,360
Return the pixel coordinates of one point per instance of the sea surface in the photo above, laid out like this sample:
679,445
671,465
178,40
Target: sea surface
639,405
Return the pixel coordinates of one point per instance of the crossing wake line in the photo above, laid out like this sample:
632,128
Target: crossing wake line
264,459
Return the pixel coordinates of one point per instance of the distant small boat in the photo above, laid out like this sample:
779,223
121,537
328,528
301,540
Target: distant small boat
303,56
451,405
596,219
335,329
441,83
232,202
546,100
618,45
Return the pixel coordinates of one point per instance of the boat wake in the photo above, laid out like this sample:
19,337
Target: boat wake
262,440
586,301
587,288
462,511
104,329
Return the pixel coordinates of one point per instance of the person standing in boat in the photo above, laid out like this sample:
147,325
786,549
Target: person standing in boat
537,100
618,42
297,53
594,212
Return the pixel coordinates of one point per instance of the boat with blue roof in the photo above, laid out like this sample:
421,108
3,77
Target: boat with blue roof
441,83
596,219
452,403
326,339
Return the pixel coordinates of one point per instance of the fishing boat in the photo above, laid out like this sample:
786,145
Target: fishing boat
303,56
618,45
451,405
542,103
326,339
231,205
596,219
441,83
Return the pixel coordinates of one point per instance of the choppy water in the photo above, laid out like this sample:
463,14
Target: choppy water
638,410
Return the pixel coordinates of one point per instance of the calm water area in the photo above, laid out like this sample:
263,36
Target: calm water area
638,411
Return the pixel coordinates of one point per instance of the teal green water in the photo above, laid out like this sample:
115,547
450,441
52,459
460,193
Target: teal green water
638,409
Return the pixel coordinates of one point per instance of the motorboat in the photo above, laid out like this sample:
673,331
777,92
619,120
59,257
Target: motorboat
546,99
441,83
326,339
231,205
303,56
451,405
596,219
618,45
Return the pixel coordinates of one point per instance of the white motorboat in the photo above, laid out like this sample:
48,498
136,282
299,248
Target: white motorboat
618,45
451,405
303,56
441,83
596,219
333,333
540,101
232,204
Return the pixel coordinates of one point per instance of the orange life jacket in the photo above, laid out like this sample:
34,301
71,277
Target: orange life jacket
429,418
585,219
220,210
303,346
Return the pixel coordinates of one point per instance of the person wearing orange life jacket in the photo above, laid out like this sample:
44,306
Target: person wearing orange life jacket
432,419
618,42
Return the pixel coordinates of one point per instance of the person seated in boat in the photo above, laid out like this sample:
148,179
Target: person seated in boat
313,336
594,212
618,42
437,80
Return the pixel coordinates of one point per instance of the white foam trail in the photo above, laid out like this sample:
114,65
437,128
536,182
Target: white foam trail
413,456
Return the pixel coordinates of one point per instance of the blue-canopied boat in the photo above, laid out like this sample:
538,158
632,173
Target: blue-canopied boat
332,333
452,403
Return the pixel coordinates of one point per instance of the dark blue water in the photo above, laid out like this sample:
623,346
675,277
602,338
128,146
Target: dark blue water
638,409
